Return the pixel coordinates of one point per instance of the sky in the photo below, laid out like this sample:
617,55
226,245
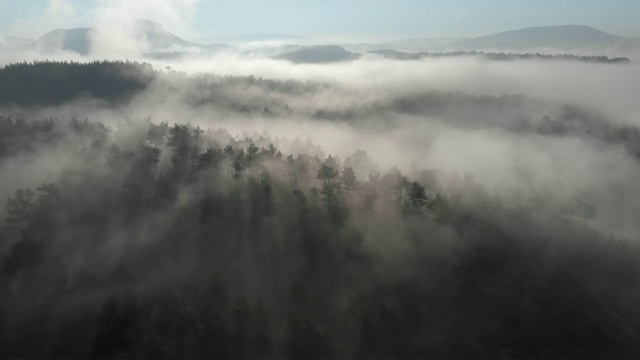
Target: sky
361,20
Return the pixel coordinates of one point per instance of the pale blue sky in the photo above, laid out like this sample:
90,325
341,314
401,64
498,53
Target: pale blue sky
356,19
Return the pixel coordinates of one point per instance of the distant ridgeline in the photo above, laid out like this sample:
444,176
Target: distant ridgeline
399,55
53,83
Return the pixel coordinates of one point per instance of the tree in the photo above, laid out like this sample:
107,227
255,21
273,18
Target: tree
239,163
360,163
36,219
118,328
332,162
417,195
140,181
208,160
326,174
21,210
185,142
157,133
349,178
336,208
305,339
291,169
229,152
118,159
261,198
302,166
251,157
271,149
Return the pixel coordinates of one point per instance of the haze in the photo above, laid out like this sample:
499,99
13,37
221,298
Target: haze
222,179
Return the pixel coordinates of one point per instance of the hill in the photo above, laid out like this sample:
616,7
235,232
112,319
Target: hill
151,37
319,55
399,55
54,83
75,40
154,39
561,37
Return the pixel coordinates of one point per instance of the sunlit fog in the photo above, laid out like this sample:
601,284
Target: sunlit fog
217,179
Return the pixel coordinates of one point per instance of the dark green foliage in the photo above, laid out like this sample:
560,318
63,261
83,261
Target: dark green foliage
305,339
334,197
417,195
53,83
36,220
327,173
19,136
185,141
118,328
349,178
21,208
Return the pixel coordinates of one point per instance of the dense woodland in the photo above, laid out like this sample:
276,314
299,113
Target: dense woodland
171,240
400,55
191,242
53,83
115,82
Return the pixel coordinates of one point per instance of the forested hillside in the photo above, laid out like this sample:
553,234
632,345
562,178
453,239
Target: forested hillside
53,83
170,240
501,56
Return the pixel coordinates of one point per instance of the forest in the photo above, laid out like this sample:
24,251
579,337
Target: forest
400,55
59,82
145,238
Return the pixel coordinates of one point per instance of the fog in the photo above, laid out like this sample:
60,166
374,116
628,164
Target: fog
468,139
483,189
479,117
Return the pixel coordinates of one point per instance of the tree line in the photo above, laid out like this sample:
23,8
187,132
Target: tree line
501,56
43,83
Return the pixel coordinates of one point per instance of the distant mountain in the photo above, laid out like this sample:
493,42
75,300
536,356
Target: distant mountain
319,55
157,37
566,37
76,40
150,35
398,55
560,37
156,41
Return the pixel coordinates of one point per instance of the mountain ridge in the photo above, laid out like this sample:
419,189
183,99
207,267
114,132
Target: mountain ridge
143,31
560,37
153,37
